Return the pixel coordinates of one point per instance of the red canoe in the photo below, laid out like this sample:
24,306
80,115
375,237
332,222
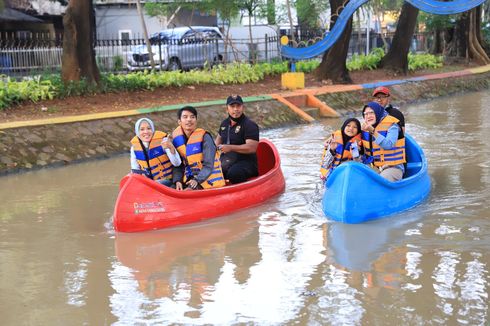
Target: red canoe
143,204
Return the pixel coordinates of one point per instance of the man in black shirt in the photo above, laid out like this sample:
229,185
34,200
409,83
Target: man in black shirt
381,95
238,138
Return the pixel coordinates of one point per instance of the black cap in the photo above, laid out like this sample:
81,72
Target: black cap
232,99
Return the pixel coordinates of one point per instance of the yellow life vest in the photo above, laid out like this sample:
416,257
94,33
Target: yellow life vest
393,156
342,153
153,160
191,152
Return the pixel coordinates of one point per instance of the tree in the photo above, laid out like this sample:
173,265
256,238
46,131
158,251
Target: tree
290,20
458,36
440,28
333,65
271,12
485,31
145,34
308,12
163,10
253,8
475,39
227,10
379,8
78,59
397,57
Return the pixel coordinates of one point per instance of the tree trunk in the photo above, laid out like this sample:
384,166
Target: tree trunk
333,65
457,45
78,59
466,41
479,35
476,51
438,44
252,50
397,57
290,18
145,34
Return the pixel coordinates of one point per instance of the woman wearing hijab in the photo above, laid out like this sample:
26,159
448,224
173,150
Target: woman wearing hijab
383,141
343,145
152,153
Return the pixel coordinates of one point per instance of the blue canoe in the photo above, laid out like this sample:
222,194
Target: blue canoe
355,193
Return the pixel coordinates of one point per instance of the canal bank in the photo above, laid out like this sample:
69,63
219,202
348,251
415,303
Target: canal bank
27,145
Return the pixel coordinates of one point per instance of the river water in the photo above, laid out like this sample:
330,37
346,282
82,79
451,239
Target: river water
280,263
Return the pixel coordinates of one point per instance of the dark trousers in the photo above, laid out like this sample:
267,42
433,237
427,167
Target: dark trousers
240,171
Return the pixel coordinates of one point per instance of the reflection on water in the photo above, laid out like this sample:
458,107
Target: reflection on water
278,263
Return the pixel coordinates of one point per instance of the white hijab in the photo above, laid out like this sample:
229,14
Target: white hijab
137,127
138,123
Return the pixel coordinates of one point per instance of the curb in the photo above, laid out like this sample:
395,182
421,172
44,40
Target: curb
307,91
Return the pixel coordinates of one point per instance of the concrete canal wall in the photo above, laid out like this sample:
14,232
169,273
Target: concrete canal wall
34,144
56,142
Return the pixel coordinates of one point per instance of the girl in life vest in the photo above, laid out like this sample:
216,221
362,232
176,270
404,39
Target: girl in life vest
343,145
152,153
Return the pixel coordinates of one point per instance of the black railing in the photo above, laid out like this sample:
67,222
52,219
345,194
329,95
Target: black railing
35,55
42,54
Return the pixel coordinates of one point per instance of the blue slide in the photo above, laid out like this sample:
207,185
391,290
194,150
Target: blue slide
430,6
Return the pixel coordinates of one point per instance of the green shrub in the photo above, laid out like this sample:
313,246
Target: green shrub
117,62
51,86
35,89
424,61
365,62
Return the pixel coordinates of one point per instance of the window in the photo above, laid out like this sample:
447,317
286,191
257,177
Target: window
125,36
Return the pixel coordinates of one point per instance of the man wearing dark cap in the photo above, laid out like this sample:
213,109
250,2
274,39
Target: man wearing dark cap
381,95
238,138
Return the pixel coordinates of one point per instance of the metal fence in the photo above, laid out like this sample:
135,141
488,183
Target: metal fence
36,55
358,43
41,54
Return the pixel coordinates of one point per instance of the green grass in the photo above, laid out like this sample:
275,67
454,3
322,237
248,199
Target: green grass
49,86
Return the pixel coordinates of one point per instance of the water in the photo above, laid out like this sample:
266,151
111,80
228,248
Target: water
279,263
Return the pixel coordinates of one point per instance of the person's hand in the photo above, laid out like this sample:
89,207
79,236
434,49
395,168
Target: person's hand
327,142
367,127
167,142
224,148
333,146
178,185
192,184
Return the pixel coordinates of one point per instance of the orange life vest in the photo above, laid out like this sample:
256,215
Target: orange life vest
191,152
153,160
393,156
342,152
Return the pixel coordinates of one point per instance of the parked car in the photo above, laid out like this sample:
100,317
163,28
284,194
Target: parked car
180,48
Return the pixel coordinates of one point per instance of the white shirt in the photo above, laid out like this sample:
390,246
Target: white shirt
174,158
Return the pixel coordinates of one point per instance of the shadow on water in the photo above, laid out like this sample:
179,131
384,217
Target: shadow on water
152,255
357,246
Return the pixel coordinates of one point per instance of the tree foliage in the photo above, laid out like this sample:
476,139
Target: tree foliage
271,12
309,11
